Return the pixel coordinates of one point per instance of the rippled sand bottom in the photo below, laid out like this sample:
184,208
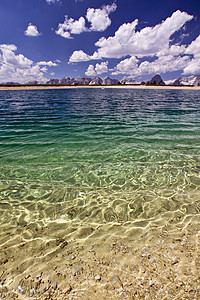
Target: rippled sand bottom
99,243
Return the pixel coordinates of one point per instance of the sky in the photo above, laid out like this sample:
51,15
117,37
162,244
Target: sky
44,39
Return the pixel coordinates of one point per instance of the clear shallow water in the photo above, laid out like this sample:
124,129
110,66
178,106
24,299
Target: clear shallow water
99,156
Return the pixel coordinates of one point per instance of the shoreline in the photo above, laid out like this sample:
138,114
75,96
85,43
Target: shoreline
44,87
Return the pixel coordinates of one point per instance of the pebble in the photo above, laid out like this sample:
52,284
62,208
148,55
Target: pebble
54,285
20,289
38,276
172,247
3,261
43,289
72,256
67,288
116,281
174,261
32,292
151,282
78,271
97,277
3,289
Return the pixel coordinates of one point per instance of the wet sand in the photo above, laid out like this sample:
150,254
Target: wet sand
168,87
111,261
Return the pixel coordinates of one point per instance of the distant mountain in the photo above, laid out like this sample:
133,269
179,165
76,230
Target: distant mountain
32,82
157,80
129,81
109,81
53,81
83,81
191,80
64,80
10,83
96,81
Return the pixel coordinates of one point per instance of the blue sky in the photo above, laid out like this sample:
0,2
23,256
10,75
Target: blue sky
43,39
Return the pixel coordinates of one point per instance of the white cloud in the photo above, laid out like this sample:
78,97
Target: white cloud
18,68
47,63
52,1
194,48
90,71
32,30
71,26
150,41
127,66
9,58
163,64
95,56
44,69
98,69
78,56
172,50
147,42
99,17
193,67
102,67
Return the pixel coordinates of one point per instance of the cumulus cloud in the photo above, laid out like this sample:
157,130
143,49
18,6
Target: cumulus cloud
149,41
173,58
44,69
127,66
71,26
146,42
90,71
47,63
18,68
78,56
97,17
101,68
193,67
32,30
194,47
98,69
155,42
162,64
52,1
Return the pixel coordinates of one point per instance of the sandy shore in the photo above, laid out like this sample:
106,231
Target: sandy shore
13,88
102,262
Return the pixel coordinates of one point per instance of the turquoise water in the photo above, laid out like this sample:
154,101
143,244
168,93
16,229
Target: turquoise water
99,155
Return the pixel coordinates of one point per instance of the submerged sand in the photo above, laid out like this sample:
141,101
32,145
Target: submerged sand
111,261
158,258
